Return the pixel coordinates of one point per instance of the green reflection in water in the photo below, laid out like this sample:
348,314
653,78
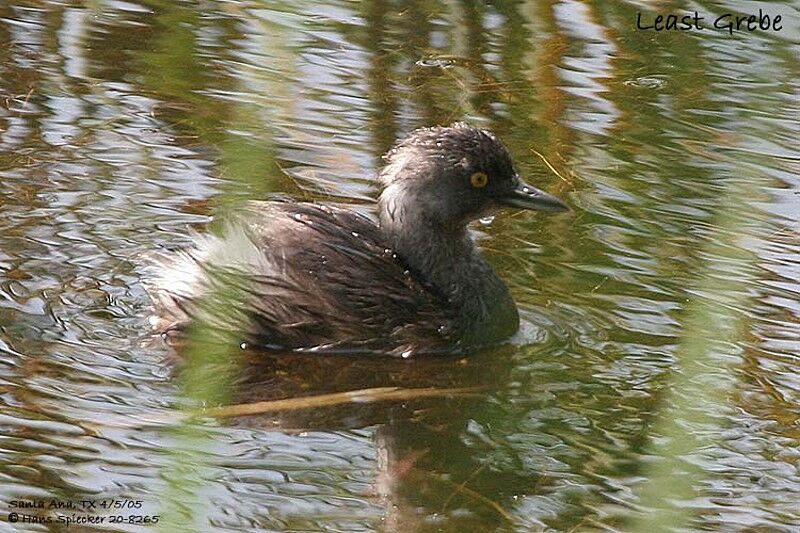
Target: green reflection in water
696,398
239,129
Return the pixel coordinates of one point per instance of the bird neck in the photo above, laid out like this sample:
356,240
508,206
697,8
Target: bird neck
442,255
445,258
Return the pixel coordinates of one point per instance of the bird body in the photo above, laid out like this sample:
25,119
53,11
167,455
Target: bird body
314,277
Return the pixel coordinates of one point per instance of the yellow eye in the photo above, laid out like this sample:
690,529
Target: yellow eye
479,180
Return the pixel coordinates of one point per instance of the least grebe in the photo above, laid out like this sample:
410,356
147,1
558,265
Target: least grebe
313,277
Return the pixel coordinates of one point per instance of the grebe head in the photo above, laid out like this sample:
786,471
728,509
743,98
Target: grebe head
448,176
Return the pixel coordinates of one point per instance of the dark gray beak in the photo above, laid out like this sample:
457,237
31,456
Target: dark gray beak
525,196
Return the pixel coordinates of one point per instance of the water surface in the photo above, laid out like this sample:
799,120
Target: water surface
124,124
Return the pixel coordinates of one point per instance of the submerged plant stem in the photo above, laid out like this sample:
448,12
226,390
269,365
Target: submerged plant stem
378,394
